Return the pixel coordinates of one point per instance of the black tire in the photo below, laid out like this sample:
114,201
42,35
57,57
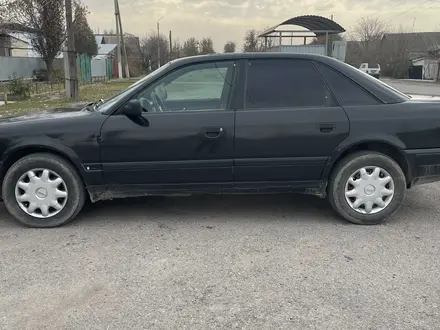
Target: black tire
75,187
342,172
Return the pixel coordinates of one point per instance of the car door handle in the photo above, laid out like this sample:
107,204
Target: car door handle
213,132
326,128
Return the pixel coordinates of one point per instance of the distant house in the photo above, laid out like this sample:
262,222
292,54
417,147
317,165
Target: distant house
132,43
416,43
15,40
105,50
107,44
422,49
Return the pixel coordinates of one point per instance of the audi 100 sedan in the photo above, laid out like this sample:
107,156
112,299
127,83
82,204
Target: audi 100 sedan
232,123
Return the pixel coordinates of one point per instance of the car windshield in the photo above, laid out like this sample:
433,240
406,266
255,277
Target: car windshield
373,66
109,103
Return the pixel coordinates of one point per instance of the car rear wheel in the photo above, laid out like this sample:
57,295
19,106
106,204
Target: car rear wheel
43,190
367,187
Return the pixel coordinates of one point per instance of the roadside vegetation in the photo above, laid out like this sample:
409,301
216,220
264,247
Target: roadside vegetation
89,93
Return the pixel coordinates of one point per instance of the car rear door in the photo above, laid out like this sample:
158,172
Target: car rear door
288,126
183,140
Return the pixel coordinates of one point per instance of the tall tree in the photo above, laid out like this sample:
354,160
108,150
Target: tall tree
177,50
254,44
148,47
365,42
251,41
85,42
191,47
46,17
368,31
206,46
229,47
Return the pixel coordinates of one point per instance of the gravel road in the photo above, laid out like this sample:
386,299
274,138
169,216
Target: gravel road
224,262
414,87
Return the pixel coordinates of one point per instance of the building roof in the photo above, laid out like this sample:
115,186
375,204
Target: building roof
104,50
417,41
317,24
131,42
99,40
15,27
24,37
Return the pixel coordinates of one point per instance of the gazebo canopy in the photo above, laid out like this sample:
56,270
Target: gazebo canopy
319,25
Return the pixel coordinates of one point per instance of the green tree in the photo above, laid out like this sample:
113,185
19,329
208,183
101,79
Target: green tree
85,42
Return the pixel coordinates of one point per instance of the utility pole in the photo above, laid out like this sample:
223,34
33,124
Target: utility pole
70,68
158,43
118,49
171,48
127,71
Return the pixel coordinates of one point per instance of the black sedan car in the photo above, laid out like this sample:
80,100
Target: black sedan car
235,123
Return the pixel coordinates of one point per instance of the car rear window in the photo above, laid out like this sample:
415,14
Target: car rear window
373,66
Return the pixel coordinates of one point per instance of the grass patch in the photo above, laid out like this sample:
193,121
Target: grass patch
38,87
88,93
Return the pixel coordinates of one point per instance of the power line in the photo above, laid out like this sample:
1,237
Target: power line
414,8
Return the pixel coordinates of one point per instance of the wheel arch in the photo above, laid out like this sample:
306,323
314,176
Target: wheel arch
391,149
23,149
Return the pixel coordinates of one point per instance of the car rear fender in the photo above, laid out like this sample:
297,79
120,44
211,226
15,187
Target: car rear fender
388,144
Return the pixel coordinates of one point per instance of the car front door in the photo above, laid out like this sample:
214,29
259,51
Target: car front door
288,127
183,140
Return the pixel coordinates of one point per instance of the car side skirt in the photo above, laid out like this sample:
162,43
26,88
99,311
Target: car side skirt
109,192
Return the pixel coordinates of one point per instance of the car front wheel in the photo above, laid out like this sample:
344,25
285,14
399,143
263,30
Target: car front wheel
367,187
43,190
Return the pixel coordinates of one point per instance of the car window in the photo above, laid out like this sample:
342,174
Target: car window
108,104
204,83
373,66
346,91
203,86
286,83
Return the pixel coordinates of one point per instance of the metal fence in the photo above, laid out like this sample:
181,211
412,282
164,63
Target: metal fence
19,66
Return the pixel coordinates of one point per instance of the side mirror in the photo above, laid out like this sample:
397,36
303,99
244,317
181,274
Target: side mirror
132,108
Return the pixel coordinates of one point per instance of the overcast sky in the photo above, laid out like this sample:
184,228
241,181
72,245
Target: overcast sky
225,20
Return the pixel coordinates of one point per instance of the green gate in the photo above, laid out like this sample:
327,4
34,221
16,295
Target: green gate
109,66
84,65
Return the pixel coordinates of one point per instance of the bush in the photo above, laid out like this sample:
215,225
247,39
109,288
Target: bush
17,86
58,75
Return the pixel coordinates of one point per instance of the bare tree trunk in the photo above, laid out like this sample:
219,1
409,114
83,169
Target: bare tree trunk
49,66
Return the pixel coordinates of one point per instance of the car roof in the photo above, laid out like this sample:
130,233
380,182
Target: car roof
251,55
